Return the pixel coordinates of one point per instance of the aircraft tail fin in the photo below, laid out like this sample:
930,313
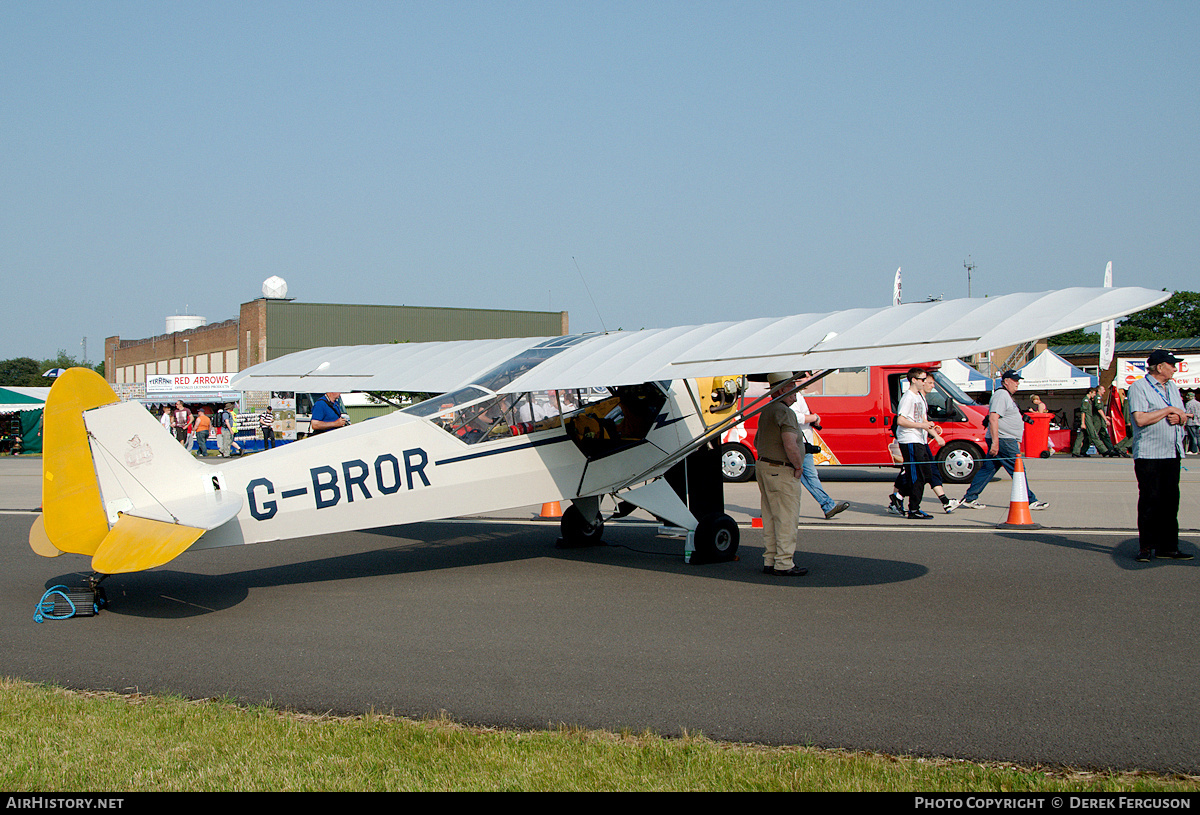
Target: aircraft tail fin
73,517
116,486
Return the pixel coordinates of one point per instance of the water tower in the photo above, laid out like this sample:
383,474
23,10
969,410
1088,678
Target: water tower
182,322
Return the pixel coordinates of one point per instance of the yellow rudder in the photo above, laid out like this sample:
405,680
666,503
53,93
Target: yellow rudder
72,509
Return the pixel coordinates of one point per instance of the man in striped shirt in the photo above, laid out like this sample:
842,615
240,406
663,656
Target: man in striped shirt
1158,421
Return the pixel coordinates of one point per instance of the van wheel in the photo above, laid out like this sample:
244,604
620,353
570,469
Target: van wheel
959,461
737,462
716,538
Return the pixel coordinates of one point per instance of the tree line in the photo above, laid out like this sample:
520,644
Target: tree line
26,372
1176,319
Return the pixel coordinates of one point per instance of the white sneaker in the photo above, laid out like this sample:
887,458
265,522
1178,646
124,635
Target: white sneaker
950,505
971,504
1039,505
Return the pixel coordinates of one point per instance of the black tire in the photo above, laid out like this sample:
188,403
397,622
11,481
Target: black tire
716,538
959,461
737,462
576,531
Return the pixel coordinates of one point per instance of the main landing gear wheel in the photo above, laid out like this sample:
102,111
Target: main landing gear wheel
578,532
716,539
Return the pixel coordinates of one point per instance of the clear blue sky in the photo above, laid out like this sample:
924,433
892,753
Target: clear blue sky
696,161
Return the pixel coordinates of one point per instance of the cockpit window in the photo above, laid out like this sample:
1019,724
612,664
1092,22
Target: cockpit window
437,404
477,413
473,415
617,422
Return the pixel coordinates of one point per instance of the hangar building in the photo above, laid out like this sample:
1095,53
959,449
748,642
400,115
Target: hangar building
268,328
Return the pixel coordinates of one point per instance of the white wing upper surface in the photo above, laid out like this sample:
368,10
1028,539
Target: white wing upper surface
896,335
428,367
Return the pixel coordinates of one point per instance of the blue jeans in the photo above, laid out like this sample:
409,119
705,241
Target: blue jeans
1193,437
812,483
1009,450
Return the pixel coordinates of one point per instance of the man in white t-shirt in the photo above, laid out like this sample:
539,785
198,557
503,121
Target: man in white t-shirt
912,435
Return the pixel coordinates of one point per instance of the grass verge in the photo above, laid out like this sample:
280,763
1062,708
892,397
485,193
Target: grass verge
53,739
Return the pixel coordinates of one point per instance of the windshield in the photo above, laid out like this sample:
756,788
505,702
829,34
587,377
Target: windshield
446,402
952,390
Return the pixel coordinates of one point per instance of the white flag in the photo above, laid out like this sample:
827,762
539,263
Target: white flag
1108,330
896,288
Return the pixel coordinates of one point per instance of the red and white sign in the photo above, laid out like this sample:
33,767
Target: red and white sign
1187,372
177,383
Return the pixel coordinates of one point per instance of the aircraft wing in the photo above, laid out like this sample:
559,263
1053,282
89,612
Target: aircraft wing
896,335
422,367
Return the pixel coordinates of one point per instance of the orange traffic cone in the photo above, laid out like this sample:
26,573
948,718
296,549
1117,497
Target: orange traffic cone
551,510
1018,504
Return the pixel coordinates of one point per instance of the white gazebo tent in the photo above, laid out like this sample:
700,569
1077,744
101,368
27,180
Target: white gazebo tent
1050,372
964,376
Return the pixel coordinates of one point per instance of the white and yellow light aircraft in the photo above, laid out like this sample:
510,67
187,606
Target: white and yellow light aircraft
518,425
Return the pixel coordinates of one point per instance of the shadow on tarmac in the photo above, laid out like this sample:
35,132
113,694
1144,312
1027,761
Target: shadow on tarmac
176,594
1123,553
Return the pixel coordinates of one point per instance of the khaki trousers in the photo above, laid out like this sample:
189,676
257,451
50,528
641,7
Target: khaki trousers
779,496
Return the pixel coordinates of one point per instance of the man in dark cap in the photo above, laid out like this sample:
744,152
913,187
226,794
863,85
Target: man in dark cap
1005,427
1158,422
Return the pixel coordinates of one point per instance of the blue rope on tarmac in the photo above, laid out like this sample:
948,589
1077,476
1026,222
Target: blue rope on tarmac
45,606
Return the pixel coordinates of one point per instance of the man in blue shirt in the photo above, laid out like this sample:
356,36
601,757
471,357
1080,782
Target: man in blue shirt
328,414
1158,421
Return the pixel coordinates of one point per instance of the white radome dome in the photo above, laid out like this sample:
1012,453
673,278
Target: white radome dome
274,288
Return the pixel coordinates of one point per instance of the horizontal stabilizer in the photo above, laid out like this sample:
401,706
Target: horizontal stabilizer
205,511
135,544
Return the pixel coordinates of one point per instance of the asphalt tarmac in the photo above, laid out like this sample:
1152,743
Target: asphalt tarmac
942,638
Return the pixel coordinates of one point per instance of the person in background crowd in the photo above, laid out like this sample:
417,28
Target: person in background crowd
1005,428
912,434
1038,405
1091,420
226,424
266,423
328,414
1158,421
181,420
809,477
1102,422
165,419
202,425
1192,407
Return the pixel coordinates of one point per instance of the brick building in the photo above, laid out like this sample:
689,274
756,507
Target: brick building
267,328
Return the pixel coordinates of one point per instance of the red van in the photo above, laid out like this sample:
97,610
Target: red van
858,410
